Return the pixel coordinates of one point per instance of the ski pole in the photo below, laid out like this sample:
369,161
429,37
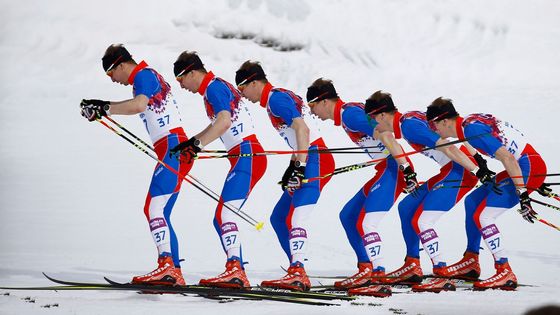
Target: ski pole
524,176
545,204
204,157
548,223
358,166
358,149
242,215
258,225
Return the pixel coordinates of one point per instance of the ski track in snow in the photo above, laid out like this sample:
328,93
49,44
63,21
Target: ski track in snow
72,193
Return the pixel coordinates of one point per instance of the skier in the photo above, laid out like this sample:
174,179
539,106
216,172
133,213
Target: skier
289,117
419,211
231,122
523,174
153,101
362,215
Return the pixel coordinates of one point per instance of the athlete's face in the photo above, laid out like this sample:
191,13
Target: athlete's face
250,91
188,82
320,109
443,127
117,74
384,122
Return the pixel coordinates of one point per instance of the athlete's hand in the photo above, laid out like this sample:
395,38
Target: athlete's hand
288,174
545,190
526,209
296,178
185,151
410,178
486,176
94,109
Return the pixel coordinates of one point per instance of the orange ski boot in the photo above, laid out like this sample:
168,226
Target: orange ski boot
435,285
233,277
372,290
165,274
504,279
360,279
409,273
295,279
467,268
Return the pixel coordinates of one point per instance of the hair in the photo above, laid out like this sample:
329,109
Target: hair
382,97
117,49
187,57
323,83
443,104
253,67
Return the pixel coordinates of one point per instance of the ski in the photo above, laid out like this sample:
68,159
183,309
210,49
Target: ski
253,292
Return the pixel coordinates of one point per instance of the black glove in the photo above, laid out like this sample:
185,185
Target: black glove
186,151
485,175
545,190
409,177
480,161
296,178
288,174
94,109
526,209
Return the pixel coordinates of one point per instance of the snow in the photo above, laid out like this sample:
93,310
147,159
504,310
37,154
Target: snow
72,192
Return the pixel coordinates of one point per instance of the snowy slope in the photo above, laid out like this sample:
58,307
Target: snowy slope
72,192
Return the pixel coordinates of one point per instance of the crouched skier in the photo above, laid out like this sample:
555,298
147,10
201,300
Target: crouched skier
289,116
523,174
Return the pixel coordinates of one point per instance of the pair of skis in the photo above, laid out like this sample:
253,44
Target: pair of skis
222,294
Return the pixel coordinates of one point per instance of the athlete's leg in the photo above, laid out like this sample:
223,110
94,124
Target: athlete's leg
407,208
305,198
163,192
454,182
245,172
382,193
350,216
475,202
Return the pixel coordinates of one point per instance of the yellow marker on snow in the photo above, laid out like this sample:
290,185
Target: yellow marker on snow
259,226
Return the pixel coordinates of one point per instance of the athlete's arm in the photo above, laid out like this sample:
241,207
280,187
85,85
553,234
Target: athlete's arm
213,132
392,145
456,155
302,138
470,148
511,165
132,106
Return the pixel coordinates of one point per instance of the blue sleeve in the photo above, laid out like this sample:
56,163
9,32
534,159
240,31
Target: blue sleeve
284,106
356,119
417,131
219,97
146,83
480,137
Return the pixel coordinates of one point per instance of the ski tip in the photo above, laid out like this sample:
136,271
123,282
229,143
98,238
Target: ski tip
47,276
259,226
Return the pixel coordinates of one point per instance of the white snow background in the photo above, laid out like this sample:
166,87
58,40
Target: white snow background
72,192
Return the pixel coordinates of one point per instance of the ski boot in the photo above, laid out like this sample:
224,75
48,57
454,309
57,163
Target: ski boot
372,290
409,273
504,278
360,279
165,274
467,268
296,279
435,285
233,277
